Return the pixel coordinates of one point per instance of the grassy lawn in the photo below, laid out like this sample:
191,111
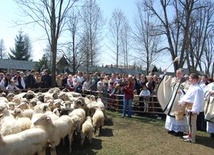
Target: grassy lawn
139,136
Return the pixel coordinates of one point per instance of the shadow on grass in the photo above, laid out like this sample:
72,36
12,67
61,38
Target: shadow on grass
77,149
87,148
150,119
206,141
106,132
108,122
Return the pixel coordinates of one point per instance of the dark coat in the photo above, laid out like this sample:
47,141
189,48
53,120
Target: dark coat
30,81
46,81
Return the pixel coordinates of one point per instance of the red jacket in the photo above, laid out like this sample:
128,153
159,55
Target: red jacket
128,91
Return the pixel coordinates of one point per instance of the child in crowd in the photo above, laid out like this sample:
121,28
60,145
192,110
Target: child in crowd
136,98
11,87
145,93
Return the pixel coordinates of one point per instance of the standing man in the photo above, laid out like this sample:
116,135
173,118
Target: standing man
201,123
209,109
64,80
128,97
30,80
193,102
175,127
46,79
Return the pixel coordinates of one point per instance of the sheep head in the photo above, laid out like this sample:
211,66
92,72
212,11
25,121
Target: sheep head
64,97
11,105
43,121
3,109
10,96
23,105
17,112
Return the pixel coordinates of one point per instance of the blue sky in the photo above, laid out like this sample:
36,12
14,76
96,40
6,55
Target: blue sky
9,12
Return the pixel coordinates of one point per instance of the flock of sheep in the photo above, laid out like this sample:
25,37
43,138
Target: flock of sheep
32,122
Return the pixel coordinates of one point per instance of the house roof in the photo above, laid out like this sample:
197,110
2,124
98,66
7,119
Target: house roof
16,64
108,70
62,61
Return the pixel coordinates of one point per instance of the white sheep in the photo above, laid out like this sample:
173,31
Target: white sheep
10,96
25,122
77,123
91,107
91,97
64,96
74,94
11,125
28,142
37,116
54,90
48,96
80,103
87,130
57,103
52,115
11,105
18,98
3,99
8,124
41,108
78,116
56,129
57,111
29,95
28,113
98,120
20,95
101,105
67,105
23,105
33,102
4,112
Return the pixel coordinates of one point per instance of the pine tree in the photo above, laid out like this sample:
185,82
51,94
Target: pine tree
41,62
22,48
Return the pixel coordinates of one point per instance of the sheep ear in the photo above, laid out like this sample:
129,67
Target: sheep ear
7,107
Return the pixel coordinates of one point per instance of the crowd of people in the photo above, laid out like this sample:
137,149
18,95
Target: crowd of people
13,81
82,82
79,82
185,89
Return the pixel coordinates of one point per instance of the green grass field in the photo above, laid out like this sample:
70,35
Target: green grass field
139,136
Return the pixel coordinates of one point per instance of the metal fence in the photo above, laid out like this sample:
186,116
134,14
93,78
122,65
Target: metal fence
141,106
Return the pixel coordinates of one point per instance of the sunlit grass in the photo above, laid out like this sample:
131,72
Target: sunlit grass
138,136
